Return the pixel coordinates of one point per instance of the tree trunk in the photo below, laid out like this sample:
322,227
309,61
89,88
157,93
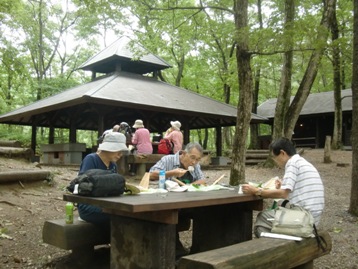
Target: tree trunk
312,69
353,205
337,130
243,58
283,98
254,128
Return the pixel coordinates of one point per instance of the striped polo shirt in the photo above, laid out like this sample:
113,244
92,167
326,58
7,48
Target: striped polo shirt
306,186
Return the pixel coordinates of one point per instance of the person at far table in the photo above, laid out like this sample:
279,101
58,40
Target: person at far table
109,152
141,141
301,183
125,129
115,128
175,136
184,165
141,138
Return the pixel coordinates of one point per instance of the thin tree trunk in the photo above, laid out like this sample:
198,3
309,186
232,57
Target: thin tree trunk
337,130
311,71
254,128
283,98
237,174
353,205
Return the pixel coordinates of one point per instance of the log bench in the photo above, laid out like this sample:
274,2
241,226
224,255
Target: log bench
81,237
260,253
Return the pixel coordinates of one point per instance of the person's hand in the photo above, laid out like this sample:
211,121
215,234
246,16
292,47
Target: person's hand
248,189
179,172
278,183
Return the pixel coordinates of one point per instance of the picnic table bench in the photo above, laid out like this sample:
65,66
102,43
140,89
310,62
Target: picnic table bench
261,253
80,237
142,161
305,141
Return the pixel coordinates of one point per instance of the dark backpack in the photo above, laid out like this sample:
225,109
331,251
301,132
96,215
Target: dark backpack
165,146
98,183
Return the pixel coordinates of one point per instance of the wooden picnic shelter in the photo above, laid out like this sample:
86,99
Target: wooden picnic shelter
316,120
125,87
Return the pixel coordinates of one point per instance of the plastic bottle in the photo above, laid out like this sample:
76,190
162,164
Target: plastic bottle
69,213
162,179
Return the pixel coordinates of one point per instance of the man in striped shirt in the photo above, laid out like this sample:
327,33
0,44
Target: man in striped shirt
301,183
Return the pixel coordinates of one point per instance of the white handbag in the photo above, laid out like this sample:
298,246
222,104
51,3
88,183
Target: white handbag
294,220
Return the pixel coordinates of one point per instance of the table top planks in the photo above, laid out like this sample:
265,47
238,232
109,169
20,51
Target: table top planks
163,201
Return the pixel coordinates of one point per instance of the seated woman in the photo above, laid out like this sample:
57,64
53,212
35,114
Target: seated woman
109,152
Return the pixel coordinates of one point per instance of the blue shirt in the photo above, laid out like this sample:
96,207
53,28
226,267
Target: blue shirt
93,161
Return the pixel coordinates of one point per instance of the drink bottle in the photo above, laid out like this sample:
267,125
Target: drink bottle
162,179
69,213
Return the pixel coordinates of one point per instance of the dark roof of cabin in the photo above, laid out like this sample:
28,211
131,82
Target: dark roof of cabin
132,57
126,97
316,103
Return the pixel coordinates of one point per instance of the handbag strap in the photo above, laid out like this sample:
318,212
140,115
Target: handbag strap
320,240
284,203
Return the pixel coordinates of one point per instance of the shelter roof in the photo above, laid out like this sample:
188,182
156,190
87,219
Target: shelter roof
123,96
132,56
316,103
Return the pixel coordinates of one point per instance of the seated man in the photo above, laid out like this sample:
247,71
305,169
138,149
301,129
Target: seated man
184,165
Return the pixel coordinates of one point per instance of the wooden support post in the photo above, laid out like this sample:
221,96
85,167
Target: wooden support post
327,150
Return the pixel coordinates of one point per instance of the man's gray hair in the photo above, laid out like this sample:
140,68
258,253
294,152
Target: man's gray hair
192,145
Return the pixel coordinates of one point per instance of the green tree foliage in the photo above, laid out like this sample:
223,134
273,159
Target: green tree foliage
45,41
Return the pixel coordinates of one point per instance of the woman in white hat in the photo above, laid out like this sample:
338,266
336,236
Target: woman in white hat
175,136
109,152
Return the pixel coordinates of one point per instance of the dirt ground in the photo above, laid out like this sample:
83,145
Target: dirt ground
25,206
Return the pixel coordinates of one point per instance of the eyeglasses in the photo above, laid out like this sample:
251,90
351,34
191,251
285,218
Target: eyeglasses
194,158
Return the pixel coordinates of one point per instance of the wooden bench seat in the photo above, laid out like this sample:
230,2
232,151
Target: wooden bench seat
142,161
80,237
260,253
305,142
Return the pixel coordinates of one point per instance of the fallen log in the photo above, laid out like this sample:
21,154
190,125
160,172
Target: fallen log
13,152
10,143
29,175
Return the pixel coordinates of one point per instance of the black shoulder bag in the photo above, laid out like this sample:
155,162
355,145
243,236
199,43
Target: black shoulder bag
98,183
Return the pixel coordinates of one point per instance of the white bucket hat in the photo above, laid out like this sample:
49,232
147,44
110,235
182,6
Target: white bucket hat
113,142
138,124
176,125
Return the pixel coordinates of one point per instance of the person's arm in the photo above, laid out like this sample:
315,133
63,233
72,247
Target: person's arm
269,193
134,138
168,134
177,172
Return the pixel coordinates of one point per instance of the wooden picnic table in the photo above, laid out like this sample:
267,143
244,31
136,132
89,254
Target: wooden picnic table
143,227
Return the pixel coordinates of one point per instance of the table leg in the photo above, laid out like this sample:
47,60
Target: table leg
220,226
141,244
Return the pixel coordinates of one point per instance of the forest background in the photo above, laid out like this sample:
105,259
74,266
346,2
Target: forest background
240,52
